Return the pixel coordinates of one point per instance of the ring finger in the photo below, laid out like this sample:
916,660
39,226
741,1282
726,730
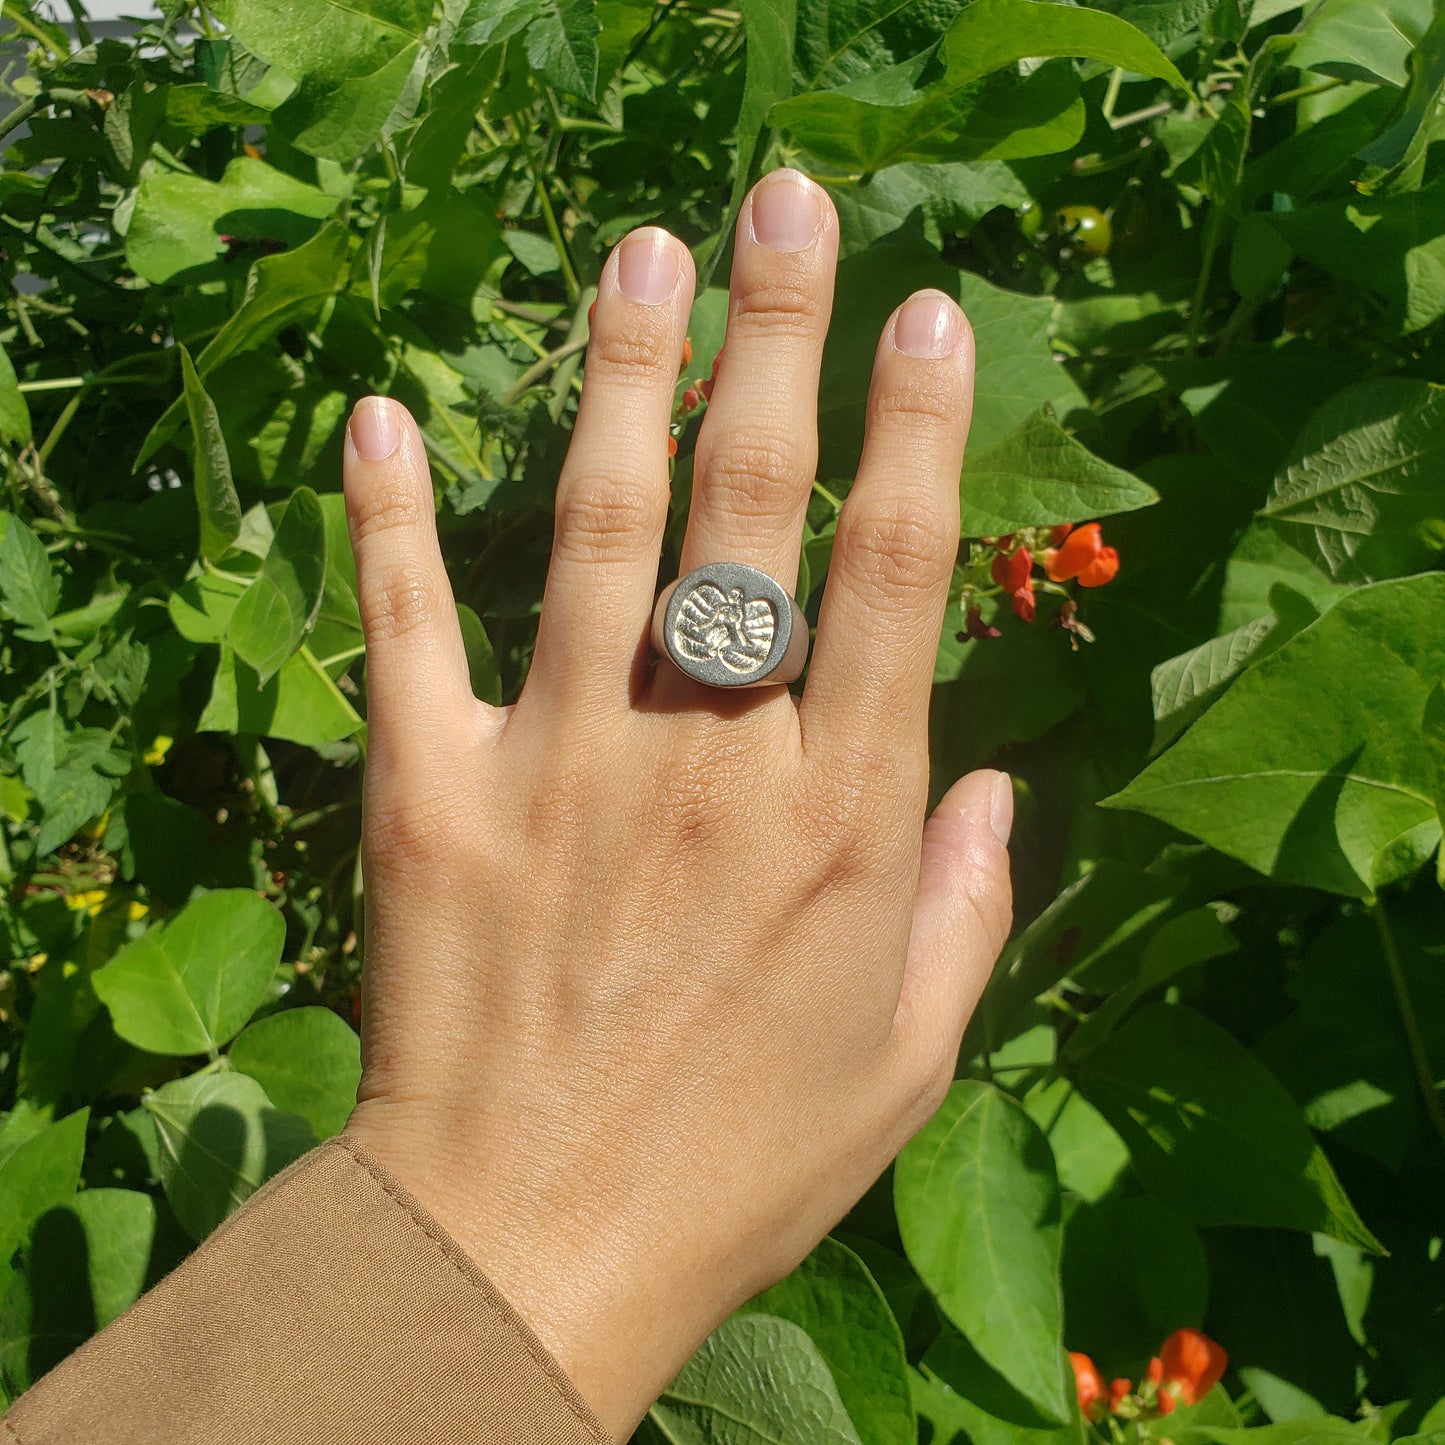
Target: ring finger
758,447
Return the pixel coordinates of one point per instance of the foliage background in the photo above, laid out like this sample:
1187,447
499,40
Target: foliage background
1204,1086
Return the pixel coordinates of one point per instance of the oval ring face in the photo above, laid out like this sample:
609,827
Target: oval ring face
730,625
737,631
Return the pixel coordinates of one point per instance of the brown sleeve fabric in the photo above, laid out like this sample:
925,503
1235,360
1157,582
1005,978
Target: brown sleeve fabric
329,1308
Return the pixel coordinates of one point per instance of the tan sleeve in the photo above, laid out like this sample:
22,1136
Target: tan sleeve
329,1308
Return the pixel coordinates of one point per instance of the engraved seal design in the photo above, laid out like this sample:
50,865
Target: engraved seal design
724,625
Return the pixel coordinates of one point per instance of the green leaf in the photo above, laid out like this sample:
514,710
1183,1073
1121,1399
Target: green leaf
755,1381
221,1139
308,1060
339,122
300,703
978,1209
71,772
481,660
14,413
29,587
1364,492
835,1299
189,984
284,290
1391,247
41,1172
179,218
325,40
1362,39
1211,1132
280,607
1345,804
217,505
561,37
444,246
1038,476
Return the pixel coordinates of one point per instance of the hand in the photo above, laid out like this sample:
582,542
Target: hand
660,978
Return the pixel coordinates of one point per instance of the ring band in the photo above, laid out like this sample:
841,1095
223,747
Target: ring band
730,625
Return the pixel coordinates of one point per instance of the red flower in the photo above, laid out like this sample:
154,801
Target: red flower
975,626
1025,605
1117,1390
1011,570
690,398
1088,1382
1057,534
687,351
672,446
1193,1362
1082,556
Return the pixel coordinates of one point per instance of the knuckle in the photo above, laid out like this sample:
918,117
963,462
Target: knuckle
779,306
601,519
400,602
900,547
414,833
383,508
632,352
920,405
753,476
990,910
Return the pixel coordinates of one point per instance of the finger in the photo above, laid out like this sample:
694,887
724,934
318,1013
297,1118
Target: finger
897,536
758,448
961,917
418,686
611,502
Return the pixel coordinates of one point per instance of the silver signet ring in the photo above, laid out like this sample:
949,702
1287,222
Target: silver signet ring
730,625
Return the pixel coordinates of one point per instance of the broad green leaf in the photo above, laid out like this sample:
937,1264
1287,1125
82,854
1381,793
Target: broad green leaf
870,128
1016,372
180,218
1346,804
1364,492
42,1171
481,660
217,505
29,587
14,413
1184,686
1397,156
308,1060
1362,39
340,122
1038,476
221,1139
1391,247
444,246
835,1299
325,40
561,37
187,985
1165,21
1088,1154
1211,1132
755,1381
279,608
951,199
978,1209
301,703
283,291
88,1262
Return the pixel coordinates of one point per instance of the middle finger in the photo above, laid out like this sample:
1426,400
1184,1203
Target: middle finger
758,447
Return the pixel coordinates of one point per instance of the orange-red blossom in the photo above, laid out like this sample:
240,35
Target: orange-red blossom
1079,555
1188,1366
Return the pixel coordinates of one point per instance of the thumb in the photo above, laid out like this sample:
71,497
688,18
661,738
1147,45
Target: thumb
962,913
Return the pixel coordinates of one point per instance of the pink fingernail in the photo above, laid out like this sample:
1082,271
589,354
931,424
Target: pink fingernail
1001,808
375,428
648,265
787,211
929,326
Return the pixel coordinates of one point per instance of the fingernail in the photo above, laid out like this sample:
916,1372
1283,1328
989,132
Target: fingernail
375,428
786,211
1001,807
928,326
647,266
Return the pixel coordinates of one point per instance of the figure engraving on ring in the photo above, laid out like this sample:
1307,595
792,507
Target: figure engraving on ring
712,623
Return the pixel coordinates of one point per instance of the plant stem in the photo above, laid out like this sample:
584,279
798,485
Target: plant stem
1301,92
1201,287
542,366
549,216
1414,1040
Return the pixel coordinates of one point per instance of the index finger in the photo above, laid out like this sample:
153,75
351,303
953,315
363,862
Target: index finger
872,671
